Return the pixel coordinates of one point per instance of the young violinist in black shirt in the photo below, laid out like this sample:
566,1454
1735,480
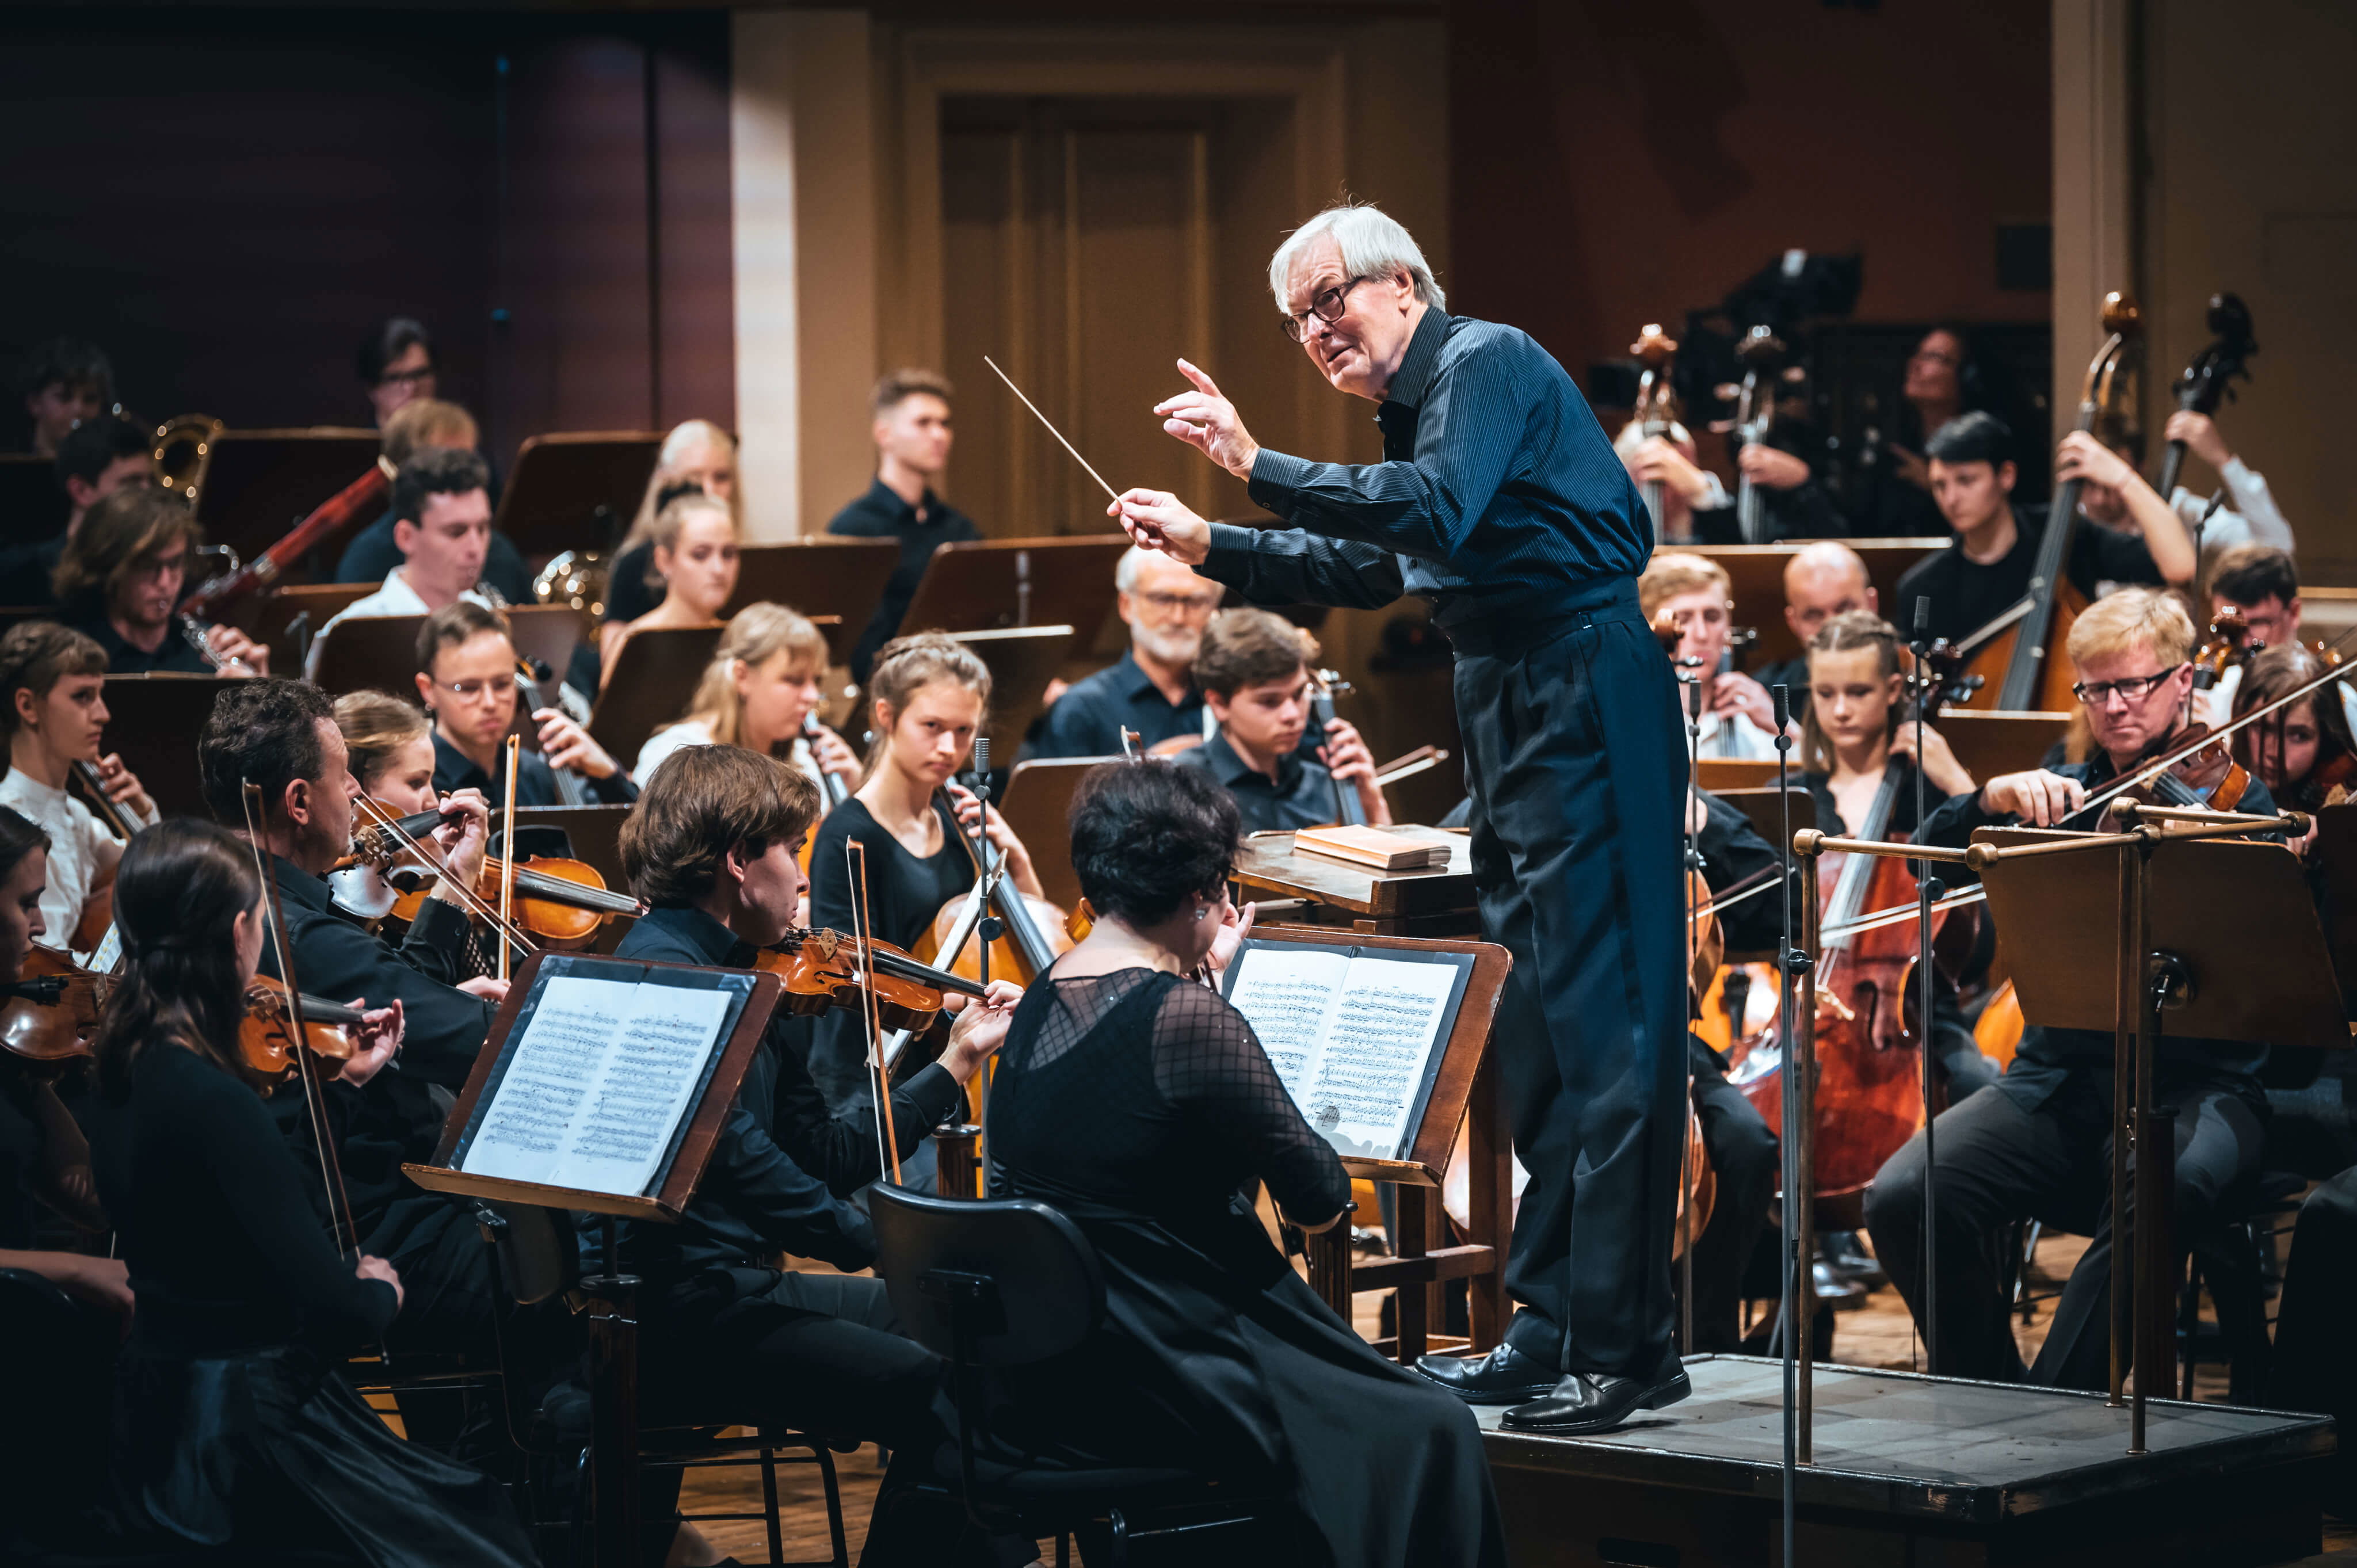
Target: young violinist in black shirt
233,1429
2035,1145
725,1335
1987,569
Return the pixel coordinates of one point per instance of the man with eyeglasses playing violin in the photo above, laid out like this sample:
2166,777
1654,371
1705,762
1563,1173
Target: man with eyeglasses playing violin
466,679
2036,1144
281,735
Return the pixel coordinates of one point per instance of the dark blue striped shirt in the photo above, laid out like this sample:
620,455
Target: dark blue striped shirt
1499,494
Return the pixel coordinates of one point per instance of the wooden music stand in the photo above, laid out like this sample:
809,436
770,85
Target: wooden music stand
1022,660
1038,806
613,1295
548,633
368,653
1988,742
1438,902
653,679
153,721
269,618
1765,813
984,585
1467,1090
1721,774
575,490
1755,575
256,485
820,576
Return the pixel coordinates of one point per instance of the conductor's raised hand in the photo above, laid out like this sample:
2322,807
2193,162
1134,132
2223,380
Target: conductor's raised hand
1156,520
1210,424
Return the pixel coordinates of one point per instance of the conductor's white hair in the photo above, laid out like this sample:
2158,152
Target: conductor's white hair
1372,244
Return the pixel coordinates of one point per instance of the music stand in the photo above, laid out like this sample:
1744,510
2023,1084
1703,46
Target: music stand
984,585
821,577
1988,742
548,633
1721,774
1022,659
2172,963
653,679
1434,902
613,1295
576,489
1038,806
2336,848
367,652
31,504
269,618
153,721
258,484
1466,1091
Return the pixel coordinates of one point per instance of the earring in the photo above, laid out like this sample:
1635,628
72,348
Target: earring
1201,913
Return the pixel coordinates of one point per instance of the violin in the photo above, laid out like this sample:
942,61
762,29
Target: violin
561,902
821,970
2228,646
265,1035
2024,647
2179,786
52,1010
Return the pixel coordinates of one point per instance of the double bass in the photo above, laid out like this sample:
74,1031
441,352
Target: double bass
1754,410
2021,652
1657,404
2209,380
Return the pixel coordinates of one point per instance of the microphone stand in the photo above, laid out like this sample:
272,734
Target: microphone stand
1691,678
1928,889
1790,963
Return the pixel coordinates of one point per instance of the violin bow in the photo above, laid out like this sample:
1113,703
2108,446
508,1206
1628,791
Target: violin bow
430,854
888,1142
274,913
507,866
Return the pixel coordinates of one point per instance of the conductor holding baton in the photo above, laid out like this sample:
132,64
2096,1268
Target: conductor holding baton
1500,500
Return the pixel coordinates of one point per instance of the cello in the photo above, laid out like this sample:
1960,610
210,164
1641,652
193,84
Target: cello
2021,651
1754,410
2209,380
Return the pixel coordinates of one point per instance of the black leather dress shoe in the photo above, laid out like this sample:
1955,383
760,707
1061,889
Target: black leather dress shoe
1504,1376
1586,1402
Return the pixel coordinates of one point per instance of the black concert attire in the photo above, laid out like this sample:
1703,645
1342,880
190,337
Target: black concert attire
2039,1146
29,570
233,1423
1143,1107
536,780
175,655
1966,594
1502,501
1088,719
905,892
921,530
2315,1365
728,1337
1962,1064
1300,796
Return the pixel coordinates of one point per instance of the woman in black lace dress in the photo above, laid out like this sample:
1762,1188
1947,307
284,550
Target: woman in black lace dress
1140,1103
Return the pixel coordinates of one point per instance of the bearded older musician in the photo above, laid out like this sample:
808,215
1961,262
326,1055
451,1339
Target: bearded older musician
1500,502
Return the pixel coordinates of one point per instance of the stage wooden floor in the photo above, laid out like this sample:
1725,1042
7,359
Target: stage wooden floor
1878,1334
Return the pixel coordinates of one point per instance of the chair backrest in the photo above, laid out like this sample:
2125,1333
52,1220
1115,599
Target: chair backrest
1022,1276
538,1254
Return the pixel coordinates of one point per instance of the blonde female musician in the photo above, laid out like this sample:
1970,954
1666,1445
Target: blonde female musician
695,541
761,692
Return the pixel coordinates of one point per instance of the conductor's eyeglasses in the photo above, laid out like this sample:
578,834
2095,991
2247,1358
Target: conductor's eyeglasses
2135,689
1326,306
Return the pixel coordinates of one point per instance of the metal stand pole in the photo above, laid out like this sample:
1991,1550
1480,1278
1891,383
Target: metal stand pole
1686,1146
1801,1198
1928,889
614,1408
1792,1286
2125,994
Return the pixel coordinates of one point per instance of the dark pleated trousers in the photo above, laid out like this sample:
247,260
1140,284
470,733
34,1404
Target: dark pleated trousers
1575,763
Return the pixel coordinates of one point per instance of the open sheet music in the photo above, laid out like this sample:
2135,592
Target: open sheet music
598,1075
1356,1034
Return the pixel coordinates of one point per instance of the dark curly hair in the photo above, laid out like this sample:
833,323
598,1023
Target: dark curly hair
266,731
1147,836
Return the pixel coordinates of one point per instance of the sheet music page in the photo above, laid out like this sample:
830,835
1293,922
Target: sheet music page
597,1084
1286,995
1370,1066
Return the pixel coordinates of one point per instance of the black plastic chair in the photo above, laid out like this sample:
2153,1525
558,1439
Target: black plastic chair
1008,1282
540,1257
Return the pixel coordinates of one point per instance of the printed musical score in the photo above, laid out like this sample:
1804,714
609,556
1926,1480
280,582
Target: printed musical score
598,1083
1354,1037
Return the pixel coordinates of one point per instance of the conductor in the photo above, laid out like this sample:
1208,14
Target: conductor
1501,502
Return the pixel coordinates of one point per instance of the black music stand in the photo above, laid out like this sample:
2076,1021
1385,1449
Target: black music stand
2336,848
613,1295
650,685
2142,909
575,490
820,576
258,484
31,505
153,721
368,653
984,585
1022,660
547,633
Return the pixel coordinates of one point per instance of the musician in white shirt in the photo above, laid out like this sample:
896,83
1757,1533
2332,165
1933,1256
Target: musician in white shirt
442,526
1738,720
